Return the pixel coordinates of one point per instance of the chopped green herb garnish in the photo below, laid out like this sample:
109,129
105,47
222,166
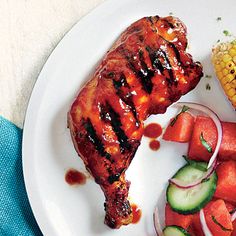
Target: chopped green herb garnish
208,76
170,13
205,180
221,226
184,109
205,144
227,33
208,87
194,164
219,18
218,41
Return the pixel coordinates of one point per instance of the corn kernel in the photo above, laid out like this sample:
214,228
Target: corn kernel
227,87
219,75
225,72
233,99
216,61
220,54
222,64
229,46
234,59
229,65
224,80
232,52
229,77
226,58
231,92
218,68
233,83
223,47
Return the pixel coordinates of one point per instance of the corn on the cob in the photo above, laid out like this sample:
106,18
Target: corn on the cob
224,61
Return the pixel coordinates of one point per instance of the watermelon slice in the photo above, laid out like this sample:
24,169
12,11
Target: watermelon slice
226,184
205,126
174,218
181,129
217,218
228,145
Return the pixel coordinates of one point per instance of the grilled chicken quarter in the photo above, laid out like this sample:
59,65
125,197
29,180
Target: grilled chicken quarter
145,71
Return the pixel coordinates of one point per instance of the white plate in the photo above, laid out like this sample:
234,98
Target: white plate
47,148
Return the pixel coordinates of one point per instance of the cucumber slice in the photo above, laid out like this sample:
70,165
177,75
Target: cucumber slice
174,230
189,201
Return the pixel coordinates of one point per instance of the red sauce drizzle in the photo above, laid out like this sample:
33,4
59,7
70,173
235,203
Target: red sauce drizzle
154,145
152,130
74,177
137,213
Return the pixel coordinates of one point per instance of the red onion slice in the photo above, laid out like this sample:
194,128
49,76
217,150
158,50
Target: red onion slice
184,185
205,228
233,216
215,119
157,224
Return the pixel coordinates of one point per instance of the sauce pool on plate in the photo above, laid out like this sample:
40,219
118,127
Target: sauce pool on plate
154,145
75,177
152,130
137,213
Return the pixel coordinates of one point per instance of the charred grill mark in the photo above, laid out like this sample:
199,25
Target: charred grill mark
169,24
171,79
156,62
144,74
126,97
120,83
93,138
113,178
108,114
157,17
176,51
150,19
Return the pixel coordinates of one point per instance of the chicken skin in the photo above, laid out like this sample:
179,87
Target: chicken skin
145,71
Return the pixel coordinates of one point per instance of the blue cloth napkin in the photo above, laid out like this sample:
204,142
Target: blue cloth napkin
16,217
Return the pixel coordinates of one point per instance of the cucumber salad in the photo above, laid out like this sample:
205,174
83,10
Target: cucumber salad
201,196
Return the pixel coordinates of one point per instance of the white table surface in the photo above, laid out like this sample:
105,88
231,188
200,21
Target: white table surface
29,31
